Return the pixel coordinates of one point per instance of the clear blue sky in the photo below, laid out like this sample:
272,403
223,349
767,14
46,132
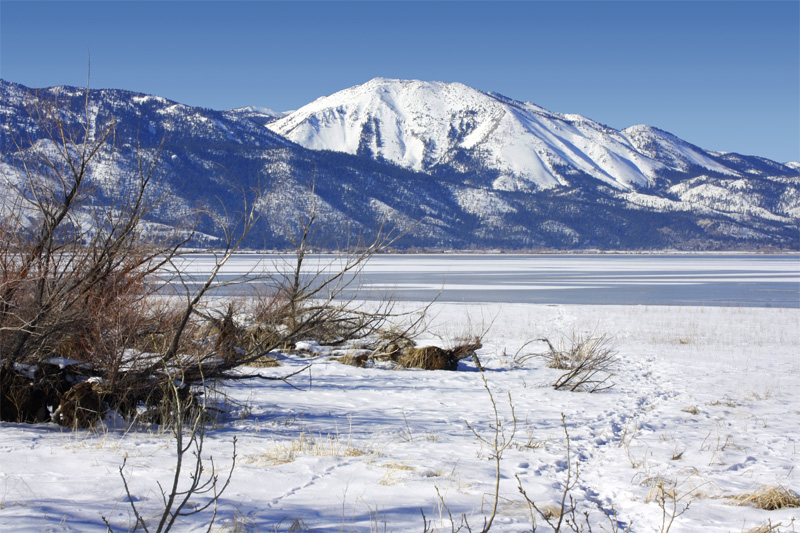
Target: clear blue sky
724,75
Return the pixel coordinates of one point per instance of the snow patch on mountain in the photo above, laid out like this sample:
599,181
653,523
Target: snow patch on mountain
554,226
673,152
148,99
656,203
482,202
398,219
260,115
427,126
726,196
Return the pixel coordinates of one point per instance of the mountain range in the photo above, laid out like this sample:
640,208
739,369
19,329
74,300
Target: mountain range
453,167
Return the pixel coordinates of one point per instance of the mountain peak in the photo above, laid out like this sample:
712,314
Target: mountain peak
430,125
500,143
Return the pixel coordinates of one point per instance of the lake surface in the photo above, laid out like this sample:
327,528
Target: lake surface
624,279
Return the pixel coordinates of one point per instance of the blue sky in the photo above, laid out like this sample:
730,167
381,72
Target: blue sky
724,75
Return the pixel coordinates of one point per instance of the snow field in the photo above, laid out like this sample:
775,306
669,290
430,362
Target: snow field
704,409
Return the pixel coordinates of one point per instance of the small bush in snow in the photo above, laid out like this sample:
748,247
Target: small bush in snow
589,362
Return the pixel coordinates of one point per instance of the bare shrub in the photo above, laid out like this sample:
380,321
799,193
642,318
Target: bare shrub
68,261
314,296
769,527
73,275
670,499
589,362
498,440
555,515
195,485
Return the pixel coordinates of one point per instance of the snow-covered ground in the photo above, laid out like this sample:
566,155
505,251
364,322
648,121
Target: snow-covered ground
705,405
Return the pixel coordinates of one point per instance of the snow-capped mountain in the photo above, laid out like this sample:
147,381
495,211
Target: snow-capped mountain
452,166
429,126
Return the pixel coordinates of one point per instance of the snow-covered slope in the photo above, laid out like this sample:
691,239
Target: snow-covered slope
426,126
482,171
671,151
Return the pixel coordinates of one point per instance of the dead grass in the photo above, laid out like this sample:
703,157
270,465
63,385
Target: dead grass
726,403
354,359
769,498
307,445
265,361
393,473
551,511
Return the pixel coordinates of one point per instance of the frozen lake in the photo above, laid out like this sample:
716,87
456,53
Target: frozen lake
736,280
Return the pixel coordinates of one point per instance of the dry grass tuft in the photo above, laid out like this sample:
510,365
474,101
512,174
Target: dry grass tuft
355,359
436,358
305,444
393,465
393,472
727,403
265,361
240,523
769,498
551,512
427,358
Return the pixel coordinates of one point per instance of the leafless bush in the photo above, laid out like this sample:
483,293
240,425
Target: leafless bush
589,363
499,439
455,527
80,279
65,260
316,296
195,478
566,509
667,494
73,275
